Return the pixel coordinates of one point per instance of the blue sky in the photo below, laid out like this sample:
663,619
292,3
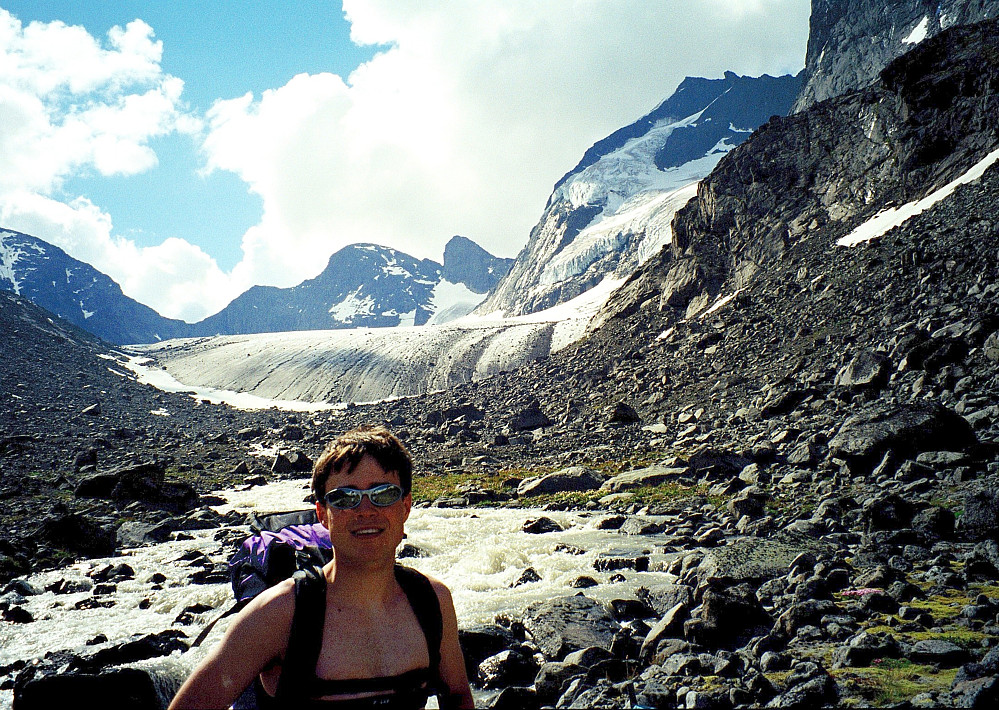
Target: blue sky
193,149
207,44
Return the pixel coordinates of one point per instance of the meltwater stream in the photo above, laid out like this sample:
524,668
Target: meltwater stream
478,553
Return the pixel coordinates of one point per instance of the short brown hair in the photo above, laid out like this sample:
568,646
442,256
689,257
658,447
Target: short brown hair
344,453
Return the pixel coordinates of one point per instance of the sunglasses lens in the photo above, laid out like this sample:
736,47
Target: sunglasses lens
346,498
343,498
385,495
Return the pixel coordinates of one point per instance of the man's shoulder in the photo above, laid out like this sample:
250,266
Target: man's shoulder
275,601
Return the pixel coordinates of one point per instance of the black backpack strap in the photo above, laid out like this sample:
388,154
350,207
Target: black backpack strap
427,608
306,636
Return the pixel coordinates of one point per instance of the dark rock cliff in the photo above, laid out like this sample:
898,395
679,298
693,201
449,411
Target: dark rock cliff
851,41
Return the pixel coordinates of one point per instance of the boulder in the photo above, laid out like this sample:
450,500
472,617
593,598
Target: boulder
980,519
480,642
731,615
888,512
539,526
531,417
77,532
573,478
563,625
650,476
754,561
622,413
907,430
868,370
507,668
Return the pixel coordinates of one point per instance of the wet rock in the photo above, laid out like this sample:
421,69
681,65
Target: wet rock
635,525
560,626
614,560
528,576
539,526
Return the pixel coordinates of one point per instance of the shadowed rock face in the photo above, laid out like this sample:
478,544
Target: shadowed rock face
932,115
851,41
465,262
48,276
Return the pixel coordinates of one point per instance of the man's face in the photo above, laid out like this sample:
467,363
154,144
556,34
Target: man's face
367,534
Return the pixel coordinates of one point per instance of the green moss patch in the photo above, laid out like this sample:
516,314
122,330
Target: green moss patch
889,681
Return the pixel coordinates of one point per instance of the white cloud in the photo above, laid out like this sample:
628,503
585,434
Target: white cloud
69,105
465,123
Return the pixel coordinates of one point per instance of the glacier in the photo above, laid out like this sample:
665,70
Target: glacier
365,364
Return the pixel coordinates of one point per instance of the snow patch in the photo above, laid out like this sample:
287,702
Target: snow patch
352,306
878,225
918,33
9,256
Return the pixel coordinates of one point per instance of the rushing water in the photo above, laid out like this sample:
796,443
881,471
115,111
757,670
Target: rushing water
479,554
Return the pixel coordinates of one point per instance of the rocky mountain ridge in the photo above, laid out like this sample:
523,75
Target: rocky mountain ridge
363,285
612,210
932,115
78,292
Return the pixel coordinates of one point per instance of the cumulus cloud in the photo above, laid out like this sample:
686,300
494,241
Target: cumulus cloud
465,122
70,105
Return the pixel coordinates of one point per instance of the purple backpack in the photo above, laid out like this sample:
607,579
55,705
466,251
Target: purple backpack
281,545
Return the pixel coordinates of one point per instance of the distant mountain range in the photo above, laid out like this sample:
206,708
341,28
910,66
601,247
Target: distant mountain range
363,285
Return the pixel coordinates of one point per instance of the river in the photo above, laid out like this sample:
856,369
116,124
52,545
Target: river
478,553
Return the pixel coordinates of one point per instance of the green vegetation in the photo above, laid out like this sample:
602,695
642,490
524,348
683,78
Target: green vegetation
889,681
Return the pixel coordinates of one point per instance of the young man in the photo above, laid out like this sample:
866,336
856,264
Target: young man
374,651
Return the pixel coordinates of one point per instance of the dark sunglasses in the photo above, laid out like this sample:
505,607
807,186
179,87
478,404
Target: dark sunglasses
347,498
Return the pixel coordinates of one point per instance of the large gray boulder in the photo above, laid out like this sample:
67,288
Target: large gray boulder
561,626
906,430
754,560
649,476
573,478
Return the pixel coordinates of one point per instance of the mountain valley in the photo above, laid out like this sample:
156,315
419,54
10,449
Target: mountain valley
807,432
